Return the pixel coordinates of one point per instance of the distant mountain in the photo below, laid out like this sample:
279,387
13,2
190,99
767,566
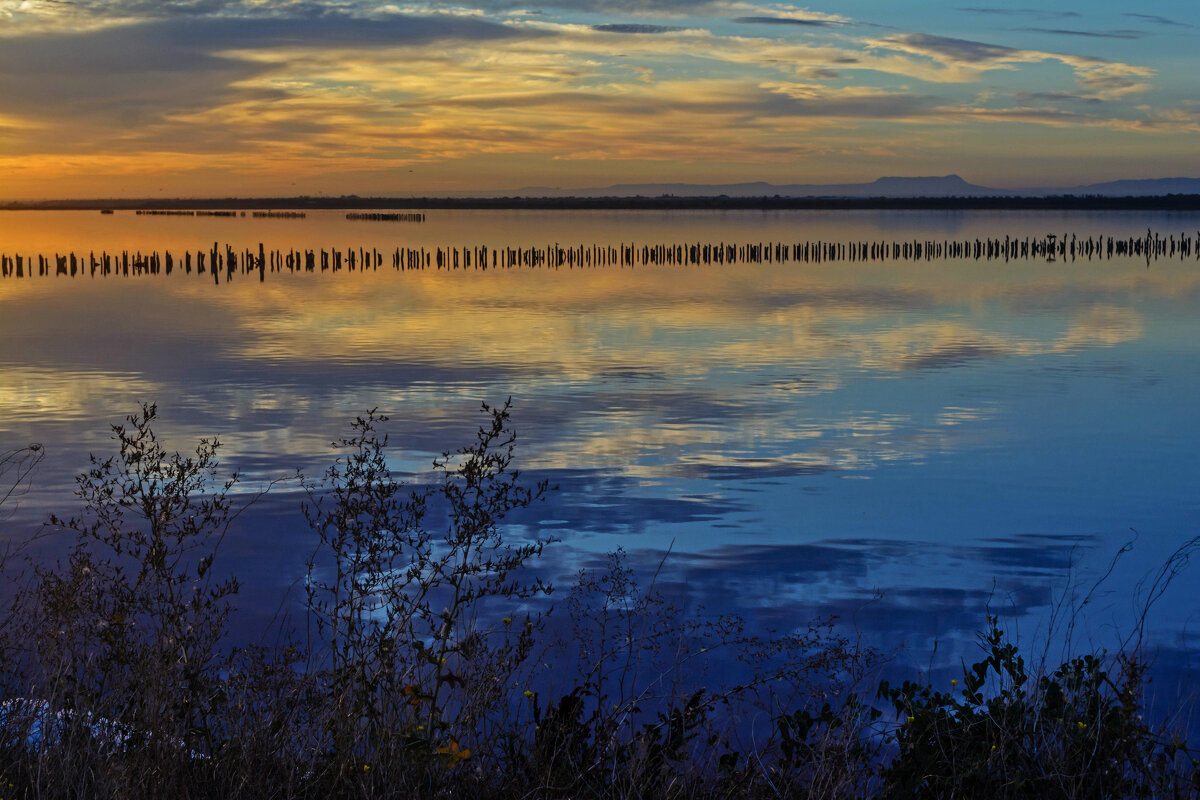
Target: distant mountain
920,186
946,186
1131,188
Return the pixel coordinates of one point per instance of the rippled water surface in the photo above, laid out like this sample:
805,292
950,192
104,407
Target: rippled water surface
902,444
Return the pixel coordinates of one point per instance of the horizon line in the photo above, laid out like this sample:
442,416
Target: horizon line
1189,201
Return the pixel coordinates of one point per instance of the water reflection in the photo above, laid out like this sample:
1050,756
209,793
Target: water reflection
904,445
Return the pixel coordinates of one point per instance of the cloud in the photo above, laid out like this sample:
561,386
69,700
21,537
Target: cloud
963,51
1053,117
1117,34
626,27
1159,20
810,23
1021,12
368,21
329,30
769,100
84,15
117,76
642,8
1099,77
700,8
364,87
1069,97
1163,122
1109,79
149,72
807,100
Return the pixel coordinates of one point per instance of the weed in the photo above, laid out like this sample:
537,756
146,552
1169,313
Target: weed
1077,732
412,669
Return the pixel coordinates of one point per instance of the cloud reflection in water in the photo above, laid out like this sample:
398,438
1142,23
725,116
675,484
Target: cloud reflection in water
1014,421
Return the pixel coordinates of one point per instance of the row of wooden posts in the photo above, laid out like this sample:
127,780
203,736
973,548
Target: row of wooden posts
415,216
228,261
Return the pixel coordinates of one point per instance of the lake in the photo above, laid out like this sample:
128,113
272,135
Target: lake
905,445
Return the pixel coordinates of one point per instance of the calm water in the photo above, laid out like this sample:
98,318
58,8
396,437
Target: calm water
904,445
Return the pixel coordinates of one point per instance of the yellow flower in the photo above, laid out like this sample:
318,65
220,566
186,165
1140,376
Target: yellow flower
1082,725
366,767
954,681
528,693
507,620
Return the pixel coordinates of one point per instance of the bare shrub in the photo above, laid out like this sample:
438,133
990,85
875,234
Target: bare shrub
120,640
411,663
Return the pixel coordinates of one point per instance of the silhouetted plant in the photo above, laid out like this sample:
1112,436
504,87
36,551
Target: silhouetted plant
16,470
138,609
642,721
413,665
118,673
1075,733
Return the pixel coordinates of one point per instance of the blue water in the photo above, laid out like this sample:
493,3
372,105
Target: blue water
904,445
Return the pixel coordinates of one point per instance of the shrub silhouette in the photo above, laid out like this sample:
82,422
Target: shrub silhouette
121,641
1077,732
413,665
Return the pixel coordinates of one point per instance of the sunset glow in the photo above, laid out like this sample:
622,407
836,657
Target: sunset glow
110,98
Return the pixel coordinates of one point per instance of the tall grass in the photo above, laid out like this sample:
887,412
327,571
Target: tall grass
425,663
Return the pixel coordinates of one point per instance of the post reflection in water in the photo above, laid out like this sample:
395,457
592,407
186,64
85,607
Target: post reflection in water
904,444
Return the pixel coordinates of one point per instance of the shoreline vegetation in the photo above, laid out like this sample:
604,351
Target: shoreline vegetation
425,661
1169,202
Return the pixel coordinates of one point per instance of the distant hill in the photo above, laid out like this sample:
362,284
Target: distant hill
945,186
920,186
1131,188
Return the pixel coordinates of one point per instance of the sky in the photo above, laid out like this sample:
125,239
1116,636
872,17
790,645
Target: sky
186,98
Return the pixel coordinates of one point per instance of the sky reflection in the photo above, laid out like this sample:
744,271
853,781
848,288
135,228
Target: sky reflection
902,445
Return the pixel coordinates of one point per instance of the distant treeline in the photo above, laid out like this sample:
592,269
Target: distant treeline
1170,202
179,212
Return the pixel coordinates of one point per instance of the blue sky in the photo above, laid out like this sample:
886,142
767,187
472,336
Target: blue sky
202,97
